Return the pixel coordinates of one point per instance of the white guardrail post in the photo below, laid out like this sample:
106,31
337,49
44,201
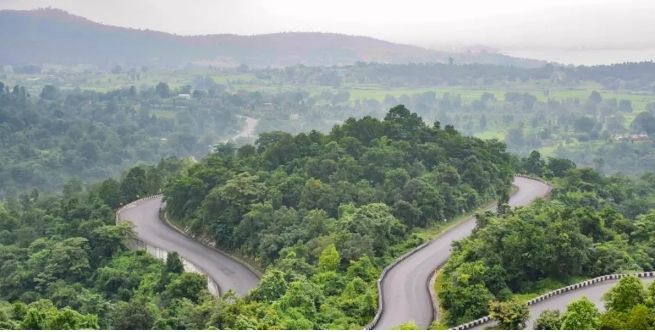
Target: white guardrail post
560,291
161,253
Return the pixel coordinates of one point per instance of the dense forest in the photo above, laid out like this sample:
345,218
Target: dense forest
637,76
324,213
49,139
593,226
340,181
65,264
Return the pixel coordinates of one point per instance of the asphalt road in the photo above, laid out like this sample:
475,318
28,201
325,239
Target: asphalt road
593,293
404,290
225,271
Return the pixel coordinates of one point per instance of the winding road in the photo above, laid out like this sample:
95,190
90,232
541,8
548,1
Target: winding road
404,294
226,272
404,290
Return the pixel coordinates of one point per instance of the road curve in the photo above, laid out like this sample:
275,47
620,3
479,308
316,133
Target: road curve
226,272
594,293
404,289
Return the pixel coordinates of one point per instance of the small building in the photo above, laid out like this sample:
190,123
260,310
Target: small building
340,72
628,137
184,96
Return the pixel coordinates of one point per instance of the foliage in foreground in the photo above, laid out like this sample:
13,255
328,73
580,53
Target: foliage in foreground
65,264
629,306
593,226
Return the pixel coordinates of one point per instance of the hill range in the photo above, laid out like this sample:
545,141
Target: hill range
55,36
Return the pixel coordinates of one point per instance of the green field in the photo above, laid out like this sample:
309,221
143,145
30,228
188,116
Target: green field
76,77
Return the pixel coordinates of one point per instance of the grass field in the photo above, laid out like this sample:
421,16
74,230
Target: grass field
103,82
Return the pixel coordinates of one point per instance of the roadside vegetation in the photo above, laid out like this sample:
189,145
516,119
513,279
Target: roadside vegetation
593,226
628,306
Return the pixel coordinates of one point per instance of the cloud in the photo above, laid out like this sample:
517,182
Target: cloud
500,22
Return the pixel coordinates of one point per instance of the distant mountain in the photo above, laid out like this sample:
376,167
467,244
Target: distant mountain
55,36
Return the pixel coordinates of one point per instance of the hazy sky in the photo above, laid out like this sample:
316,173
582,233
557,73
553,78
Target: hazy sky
492,22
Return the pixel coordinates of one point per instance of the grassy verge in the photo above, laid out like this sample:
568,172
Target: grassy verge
434,231
546,286
247,261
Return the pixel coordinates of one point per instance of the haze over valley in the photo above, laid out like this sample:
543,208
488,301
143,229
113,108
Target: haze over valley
550,30
327,165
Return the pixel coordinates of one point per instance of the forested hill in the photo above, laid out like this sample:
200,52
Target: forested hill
55,36
326,212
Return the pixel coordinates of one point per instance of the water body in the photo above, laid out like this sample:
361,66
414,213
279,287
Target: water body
585,57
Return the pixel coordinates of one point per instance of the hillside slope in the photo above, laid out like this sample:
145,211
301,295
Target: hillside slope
55,36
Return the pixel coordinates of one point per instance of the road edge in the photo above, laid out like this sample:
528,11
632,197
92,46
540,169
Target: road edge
164,219
383,274
560,291
211,283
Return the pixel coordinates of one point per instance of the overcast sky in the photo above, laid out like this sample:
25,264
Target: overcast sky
577,23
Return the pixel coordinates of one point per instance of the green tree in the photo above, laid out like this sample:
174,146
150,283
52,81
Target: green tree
581,315
106,241
110,193
67,319
595,97
49,92
133,185
511,315
407,326
163,90
35,320
271,287
628,293
329,260
174,263
640,318
133,315
548,320
187,285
